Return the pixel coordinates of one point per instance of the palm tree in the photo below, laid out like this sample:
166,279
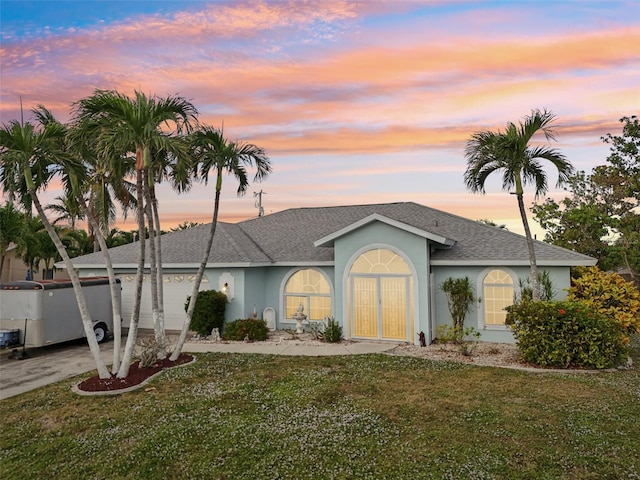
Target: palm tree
106,187
177,170
76,182
117,237
11,222
509,153
76,241
212,152
48,251
67,210
34,153
28,244
121,126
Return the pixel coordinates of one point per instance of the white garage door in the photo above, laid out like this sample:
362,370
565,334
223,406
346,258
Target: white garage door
177,287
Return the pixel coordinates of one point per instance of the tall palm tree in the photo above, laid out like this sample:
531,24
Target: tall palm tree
212,152
121,126
76,181
34,153
164,166
509,152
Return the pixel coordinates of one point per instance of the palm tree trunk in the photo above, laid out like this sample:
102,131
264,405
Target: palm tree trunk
113,285
87,323
153,264
530,248
158,248
132,336
196,286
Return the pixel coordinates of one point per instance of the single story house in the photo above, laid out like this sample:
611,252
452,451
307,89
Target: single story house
377,269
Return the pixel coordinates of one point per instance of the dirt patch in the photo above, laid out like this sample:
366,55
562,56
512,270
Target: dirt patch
486,354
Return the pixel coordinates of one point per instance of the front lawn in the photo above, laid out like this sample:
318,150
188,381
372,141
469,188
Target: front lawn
233,416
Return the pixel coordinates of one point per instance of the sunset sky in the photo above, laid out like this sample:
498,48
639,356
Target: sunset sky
355,102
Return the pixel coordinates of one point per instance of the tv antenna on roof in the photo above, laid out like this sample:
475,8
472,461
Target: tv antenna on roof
258,203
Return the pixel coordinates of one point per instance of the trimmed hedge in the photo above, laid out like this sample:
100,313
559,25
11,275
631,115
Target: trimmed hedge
566,334
209,311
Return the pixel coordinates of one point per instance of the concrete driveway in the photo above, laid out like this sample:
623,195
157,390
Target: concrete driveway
47,365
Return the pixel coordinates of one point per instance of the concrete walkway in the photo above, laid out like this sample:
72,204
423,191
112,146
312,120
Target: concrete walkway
52,364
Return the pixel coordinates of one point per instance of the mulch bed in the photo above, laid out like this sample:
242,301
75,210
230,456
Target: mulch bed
137,375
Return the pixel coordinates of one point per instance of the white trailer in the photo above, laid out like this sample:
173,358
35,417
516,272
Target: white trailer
48,310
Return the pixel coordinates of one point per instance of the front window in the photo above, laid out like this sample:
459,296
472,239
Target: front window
497,295
310,289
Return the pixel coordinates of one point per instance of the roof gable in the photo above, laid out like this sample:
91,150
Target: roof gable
375,217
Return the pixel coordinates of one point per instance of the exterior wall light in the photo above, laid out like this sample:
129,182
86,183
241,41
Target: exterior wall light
226,284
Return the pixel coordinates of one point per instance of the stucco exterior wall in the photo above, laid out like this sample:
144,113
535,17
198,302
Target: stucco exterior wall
560,277
412,248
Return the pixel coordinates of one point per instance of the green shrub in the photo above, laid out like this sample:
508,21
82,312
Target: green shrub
332,331
466,339
545,287
566,334
609,294
209,311
445,333
253,329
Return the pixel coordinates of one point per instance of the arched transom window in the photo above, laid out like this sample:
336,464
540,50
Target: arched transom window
380,261
309,288
498,294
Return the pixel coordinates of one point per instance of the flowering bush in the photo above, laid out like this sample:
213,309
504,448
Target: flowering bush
253,329
609,294
566,334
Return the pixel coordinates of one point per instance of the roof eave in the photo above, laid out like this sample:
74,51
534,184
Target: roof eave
173,266
507,262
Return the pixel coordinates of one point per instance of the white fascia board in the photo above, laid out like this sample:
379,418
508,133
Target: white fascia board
326,263
515,263
172,266
376,217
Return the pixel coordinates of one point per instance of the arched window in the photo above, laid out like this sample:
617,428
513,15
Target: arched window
309,288
380,261
497,294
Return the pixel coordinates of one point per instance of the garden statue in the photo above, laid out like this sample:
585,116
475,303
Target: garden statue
299,317
215,334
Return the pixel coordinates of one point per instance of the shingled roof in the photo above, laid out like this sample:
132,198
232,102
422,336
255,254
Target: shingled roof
290,238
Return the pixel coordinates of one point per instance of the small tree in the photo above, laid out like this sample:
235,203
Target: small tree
460,297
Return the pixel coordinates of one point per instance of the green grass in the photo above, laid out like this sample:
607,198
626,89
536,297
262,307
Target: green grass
231,416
